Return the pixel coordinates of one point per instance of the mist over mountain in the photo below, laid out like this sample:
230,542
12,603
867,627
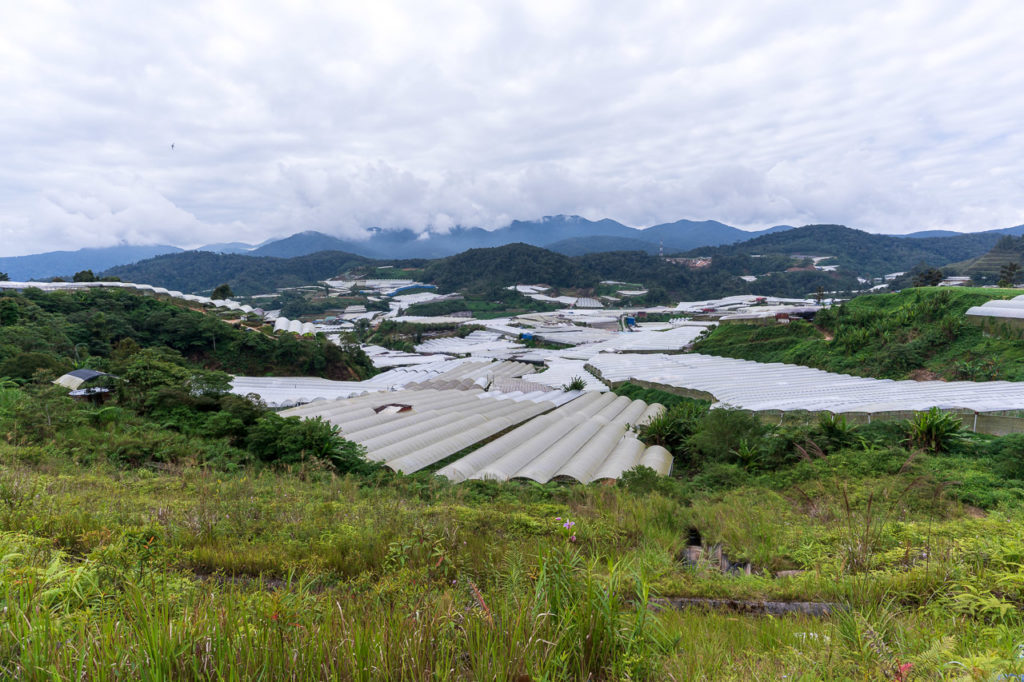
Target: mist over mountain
567,234
562,232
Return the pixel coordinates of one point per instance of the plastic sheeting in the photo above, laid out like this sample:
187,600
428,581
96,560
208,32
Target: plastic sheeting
458,373
776,386
410,430
1012,309
585,440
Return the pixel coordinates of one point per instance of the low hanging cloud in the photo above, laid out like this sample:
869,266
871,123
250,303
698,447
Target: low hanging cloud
890,117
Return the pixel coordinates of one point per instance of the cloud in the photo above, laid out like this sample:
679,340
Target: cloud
885,116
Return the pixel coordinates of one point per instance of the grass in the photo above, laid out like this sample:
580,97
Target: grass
128,550
189,574
892,336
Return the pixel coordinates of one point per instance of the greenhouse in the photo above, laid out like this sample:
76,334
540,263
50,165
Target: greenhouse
775,386
561,435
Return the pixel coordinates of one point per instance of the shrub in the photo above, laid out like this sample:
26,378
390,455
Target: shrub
291,440
717,476
722,432
576,384
934,431
882,433
672,429
1007,453
835,431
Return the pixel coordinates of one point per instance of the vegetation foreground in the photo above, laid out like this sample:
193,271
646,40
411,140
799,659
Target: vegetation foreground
179,571
179,532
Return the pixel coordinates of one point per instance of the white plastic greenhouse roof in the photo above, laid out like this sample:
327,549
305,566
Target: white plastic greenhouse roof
440,319
382,357
1005,309
776,386
475,341
573,335
675,339
410,430
561,372
586,440
287,391
461,373
72,286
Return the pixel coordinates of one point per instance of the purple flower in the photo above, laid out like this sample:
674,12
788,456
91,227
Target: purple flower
572,538
558,518
568,524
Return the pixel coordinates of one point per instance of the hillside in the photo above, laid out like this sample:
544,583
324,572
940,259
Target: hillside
570,235
861,252
179,532
986,267
196,271
578,246
94,327
67,263
487,269
564,233
504,265
522,264
910,334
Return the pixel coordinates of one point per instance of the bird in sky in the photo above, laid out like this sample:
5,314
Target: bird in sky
172,146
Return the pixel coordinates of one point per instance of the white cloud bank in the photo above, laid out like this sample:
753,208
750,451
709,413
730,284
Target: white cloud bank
888,116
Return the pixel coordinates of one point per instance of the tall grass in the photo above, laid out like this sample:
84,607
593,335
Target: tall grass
188,574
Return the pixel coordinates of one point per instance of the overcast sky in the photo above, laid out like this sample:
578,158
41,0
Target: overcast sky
888,116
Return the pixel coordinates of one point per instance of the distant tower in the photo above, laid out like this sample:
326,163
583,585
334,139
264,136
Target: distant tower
661,248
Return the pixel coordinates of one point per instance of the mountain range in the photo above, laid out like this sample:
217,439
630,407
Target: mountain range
568,235
67,263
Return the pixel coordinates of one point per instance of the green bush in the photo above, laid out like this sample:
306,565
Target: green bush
882,433
673,428
291,440
835,432
934,431
1007,454
722,432
718,476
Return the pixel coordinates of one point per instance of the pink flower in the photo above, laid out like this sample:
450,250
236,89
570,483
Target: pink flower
572,538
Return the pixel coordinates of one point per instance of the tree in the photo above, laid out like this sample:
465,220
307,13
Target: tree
84,276
928,278
1009,273
222,291
4,277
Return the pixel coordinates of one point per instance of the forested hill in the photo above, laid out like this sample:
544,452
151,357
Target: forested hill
504,265
915,333
202,270
861,252
50,331
523,264
485,269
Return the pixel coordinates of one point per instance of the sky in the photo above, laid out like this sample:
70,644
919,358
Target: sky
890,116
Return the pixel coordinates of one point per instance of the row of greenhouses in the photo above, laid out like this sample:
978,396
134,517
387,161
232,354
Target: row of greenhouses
583,436
776,386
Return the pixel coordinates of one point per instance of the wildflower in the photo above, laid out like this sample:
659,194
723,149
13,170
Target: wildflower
568,524
572,538
558,518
